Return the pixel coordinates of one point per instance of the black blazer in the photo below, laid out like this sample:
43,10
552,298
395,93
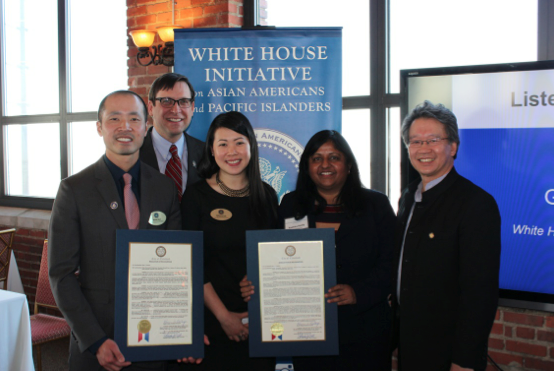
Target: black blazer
195,148
449,290
364,256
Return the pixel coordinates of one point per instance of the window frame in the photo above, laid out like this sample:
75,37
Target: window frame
380,100
63,117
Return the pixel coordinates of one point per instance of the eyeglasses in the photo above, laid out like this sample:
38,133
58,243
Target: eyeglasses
167,102
431,142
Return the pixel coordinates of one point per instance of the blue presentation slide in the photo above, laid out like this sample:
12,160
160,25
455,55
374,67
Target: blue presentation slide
506,123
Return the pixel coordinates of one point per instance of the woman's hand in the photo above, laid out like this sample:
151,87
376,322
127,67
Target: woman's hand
233,326
193,360
246,289
341,294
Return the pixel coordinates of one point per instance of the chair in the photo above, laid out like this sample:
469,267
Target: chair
6,241
44,327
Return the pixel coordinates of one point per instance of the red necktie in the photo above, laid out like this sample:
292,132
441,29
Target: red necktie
132,212
174,170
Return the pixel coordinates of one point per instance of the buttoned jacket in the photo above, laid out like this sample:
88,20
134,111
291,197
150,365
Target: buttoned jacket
449,279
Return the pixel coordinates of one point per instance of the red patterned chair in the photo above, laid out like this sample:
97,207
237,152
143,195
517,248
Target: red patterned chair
44,327
6,240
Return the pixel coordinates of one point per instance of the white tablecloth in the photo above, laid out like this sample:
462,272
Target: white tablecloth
16,352
14,280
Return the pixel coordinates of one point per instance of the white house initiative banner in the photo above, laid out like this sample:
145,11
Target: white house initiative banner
286,81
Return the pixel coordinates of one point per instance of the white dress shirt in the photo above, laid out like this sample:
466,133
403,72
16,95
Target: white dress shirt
161,147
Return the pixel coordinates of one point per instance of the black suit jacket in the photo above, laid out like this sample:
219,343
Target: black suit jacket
449,289
364,258
82,235
195,148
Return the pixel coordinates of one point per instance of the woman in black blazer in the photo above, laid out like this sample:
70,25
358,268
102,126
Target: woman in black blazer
329,194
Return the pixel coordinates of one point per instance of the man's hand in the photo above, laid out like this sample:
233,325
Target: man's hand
341,294
246,289
194,360
455,367
110,357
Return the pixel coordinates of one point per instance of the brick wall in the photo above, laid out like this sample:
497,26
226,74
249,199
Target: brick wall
522,339
27,247
149,14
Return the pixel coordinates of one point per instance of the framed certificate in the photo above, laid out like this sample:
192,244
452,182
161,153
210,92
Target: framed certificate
159,307
291,271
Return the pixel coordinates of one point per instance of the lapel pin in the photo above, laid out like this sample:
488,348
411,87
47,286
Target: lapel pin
431,235
114,205
193,163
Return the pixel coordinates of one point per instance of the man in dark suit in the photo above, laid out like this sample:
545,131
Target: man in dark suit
89,207
445,290
171,105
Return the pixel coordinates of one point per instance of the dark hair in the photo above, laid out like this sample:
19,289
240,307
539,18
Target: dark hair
306,190
166,82
438,112
102,105
207,167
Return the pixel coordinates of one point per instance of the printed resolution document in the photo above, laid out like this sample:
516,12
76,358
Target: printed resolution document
292,291
160,294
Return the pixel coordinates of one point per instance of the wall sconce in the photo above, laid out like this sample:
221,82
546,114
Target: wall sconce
143,39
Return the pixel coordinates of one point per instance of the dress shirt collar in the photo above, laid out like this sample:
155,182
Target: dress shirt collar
419,194
162,145
117,175
117,172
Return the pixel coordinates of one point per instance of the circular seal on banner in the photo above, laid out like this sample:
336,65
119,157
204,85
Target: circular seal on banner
277,329
144,326
279,156
290,250
161,251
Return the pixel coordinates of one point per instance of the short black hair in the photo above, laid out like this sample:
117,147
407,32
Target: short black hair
166,82
102,107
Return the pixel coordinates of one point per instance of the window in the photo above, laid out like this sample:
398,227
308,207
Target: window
355,55
55,72
381,37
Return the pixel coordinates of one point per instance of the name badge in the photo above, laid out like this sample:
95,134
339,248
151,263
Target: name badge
157,218
221,214
291,223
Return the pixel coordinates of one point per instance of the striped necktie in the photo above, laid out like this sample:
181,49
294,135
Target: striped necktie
174,170
132,212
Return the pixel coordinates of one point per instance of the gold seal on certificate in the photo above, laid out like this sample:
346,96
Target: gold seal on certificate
144,326
277,331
